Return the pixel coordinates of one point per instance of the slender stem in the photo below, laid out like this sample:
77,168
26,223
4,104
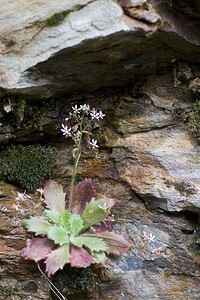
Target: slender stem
52,286
73,180
78,155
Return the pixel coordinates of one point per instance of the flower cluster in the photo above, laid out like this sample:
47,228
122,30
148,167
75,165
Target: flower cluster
79,121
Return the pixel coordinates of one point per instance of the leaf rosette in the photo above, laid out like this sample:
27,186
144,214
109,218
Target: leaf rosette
79,237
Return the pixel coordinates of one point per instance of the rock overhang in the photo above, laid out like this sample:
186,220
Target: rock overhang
88,45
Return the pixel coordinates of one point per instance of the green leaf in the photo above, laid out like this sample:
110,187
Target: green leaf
37,225
93,243
58,235
76,224
52,215
99,257
65,218
57,259
96,211
54,196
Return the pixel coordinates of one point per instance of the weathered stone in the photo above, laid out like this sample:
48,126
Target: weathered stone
143,15
19,279
148,161
164,168
85,45
131,3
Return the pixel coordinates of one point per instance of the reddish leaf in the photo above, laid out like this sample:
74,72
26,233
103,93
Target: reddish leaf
106,225
82,194
37,248
116,242
57,259
80,258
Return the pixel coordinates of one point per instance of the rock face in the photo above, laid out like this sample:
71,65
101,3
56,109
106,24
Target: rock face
146,58
86,45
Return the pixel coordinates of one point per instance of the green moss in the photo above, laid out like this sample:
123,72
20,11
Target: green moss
57,18
27,166
24,114
75,280
194,122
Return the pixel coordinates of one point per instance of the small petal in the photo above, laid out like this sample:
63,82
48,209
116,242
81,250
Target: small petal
76,110
101,115
65,130
93,143
94,114
85,107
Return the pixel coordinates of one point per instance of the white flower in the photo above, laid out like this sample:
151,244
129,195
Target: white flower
65,130
101,115
93,143
8,107
104,207
94,114
85,107
149,238
76,109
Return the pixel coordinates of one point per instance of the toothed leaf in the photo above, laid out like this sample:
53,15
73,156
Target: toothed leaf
37,225
93,243
54,196
37,248
99,257
57,259
116,243
52,215
58,235
76,224
65,218
80,258
96,211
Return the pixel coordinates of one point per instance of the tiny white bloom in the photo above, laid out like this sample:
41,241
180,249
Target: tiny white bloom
101,115
149,238
85,107
8,107
104,207
65,130
94,114
93,143
76,109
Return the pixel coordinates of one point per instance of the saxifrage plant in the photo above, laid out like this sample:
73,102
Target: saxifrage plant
78,232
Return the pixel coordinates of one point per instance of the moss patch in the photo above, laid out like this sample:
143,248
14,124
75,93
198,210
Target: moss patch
57,18
27,166
74,280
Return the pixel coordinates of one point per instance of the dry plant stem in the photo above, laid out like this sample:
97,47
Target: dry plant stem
52,286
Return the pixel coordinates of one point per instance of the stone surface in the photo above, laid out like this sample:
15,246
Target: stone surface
19,279
85,45
148,160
